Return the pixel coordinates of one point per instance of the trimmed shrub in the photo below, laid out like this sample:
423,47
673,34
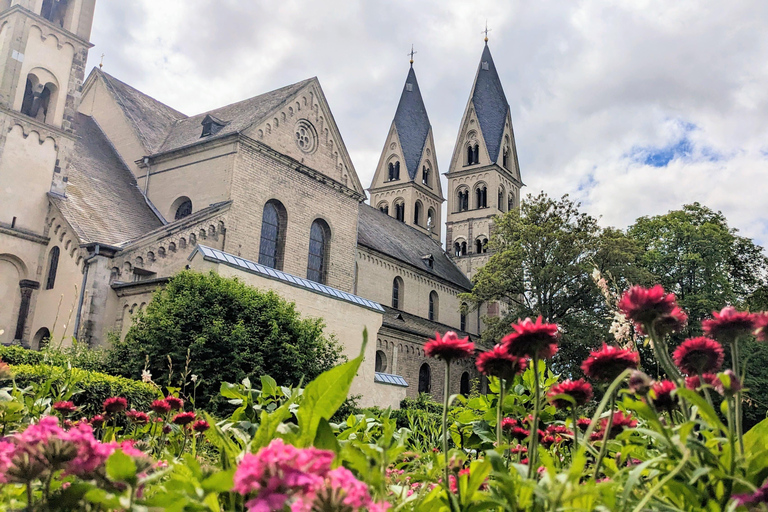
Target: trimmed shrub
94,387
77,355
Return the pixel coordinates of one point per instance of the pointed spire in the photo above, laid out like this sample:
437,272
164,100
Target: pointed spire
412,123
490,103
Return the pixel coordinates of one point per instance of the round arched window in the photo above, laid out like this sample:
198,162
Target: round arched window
381,361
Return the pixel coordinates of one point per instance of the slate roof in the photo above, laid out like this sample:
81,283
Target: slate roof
151,120
412,124
412,324
387,235
237,116
103,203
490,103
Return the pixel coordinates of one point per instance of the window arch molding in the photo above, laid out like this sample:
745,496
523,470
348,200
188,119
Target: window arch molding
460,247
383,207
431,216
53,267
426,174
462,198
481,244
472,153
502,198
418,209
481,194
41,96
393,168
434,306
425,378
180,208
399,206
318,258
274,220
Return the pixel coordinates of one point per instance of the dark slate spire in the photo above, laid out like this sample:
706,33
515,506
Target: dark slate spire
490,103
412,124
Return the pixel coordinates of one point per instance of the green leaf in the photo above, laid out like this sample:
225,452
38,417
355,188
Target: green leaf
231,391
705,410
121,468
219,482
325,438
268,385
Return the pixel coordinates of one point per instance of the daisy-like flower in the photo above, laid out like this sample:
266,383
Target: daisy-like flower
583,424
115,404
673,322
160,407
607,363
138,417
699,355
693,382
761,325
645,305
200,426
176,404
661,395
97,421
184,418
499,363
519,433
579,390
729,324
621,421
531,339
449,347
64,407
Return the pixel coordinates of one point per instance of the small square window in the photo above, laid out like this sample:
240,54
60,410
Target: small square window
485,65
409,87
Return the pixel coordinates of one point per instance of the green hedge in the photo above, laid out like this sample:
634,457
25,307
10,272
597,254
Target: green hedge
77,356
94,387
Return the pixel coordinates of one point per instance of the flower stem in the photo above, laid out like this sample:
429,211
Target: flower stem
500,413
737,397
533,442
575,417
606,436
446,391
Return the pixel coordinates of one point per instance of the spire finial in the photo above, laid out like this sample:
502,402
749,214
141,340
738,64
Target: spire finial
101,64
412,53
486,31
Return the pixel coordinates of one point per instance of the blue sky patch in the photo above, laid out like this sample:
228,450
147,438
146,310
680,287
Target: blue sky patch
681,149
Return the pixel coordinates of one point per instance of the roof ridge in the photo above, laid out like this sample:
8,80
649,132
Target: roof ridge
112,78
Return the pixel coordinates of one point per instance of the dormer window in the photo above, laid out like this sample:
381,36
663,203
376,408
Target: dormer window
486,67
409,87
428,260
211,126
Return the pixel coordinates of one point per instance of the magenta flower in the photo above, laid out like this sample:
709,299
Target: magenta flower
645,305
607,363
497,362
184,418
115,404
138,417
449,347
175,403
729,324
699,355
579,390
200,426
531,339
160,407
64,407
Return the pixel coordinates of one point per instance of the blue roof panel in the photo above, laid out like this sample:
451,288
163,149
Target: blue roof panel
388,378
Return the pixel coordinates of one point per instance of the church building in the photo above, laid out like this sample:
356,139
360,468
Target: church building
106,193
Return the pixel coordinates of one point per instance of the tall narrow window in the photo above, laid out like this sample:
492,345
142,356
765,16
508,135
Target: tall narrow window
470,155
417,213
463,318
397,291
425,378
505,158
384,208
317,263
400,211
397,170
434,306
391,169
430,219
272,235
53,265
501,200
463,248
425,176
457,249
510,202
476,154
464,384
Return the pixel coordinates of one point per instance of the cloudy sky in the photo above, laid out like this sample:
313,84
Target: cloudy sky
634,107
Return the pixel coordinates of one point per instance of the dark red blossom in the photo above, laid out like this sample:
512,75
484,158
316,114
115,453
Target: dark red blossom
519,433
184,418
645,305
531,339
138,417
607,363
699,355
64,407
200,426
596,435
160,407
693,382
639,383
583,423
507,424
167,429
518,449
548,440
449,347
559,429
729,324
579,390
761,325
115,404
661,395
97,421
731,384
620,422
673,322
175,403
497,362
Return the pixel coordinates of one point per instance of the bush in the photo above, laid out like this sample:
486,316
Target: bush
95,387
222,330
77,355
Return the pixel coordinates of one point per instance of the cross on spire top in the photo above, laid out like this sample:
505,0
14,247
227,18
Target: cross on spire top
486,31
412,53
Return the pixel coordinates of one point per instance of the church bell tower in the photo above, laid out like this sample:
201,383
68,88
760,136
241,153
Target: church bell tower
484,176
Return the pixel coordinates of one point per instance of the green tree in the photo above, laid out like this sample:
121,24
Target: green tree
543,256
230,330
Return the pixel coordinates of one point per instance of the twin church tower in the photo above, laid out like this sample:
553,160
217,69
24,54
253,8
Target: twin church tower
483,176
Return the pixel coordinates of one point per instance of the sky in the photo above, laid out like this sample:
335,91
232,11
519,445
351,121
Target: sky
632,107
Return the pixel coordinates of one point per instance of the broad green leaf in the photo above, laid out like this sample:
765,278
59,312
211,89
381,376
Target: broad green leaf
325,438
120,467
705,410
268,385
218,482
232,391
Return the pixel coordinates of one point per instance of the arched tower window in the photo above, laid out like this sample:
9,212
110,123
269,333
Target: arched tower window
481,245
425,176
271,246
417,213
183,208
464,384
510,202
397,293
476,154
502,197
317,262
462,197
481,196
391,169
434,306
38,99
463,318
425,378
456,249
400,210
384,207
463,248
53,266
505,158
470,155
54,11
431,218
394,171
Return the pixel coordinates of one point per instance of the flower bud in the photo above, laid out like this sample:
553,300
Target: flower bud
640,383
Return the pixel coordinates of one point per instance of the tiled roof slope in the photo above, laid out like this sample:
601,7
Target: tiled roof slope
387,235
237,116
151,119
412,124
412,324
490,103
103,203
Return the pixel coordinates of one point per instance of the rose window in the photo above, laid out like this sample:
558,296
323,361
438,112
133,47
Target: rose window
306,136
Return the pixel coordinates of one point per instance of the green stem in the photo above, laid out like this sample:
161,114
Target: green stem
606,436
29,496
575,416
662,356
500,413
446,392
706,391
533,442
737,399
656,488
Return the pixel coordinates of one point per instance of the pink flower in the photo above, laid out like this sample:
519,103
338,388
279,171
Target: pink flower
160,407
699,355
449,347
200,426
645,305
7,450
661,395
579,390
693,382
531,339
497,362
607,363
507,424
175,403
138,417
729,324
761,325
97,421
620,422
65,407
115,404
184,418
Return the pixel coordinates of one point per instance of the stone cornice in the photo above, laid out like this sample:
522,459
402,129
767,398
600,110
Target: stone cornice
29,125
394,185
478,169
58,31
24,235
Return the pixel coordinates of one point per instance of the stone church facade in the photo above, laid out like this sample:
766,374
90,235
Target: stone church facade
105,193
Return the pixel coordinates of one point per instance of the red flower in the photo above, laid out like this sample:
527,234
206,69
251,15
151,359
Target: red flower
449,347
64,407
583,423
580,390
608,362
673,322
518,449
115,404
559,429
761,325
167,429
661,395
184,418
138,417
645,305
519,433
176,403
620,422
730,382
548,440
699,355
531,339
507,424
160,407
200,426
97,421
499,363
693,382
729,324
596,435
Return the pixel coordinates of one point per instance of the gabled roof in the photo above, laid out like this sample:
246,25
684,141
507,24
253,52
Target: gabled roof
238,117
151,120
388,236
412,123
103,202
491,104
412,324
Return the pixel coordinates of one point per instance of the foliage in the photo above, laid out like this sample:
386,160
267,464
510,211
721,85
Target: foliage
76,355
228,330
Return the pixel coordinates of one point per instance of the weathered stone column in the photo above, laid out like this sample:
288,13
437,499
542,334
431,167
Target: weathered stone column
27,287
